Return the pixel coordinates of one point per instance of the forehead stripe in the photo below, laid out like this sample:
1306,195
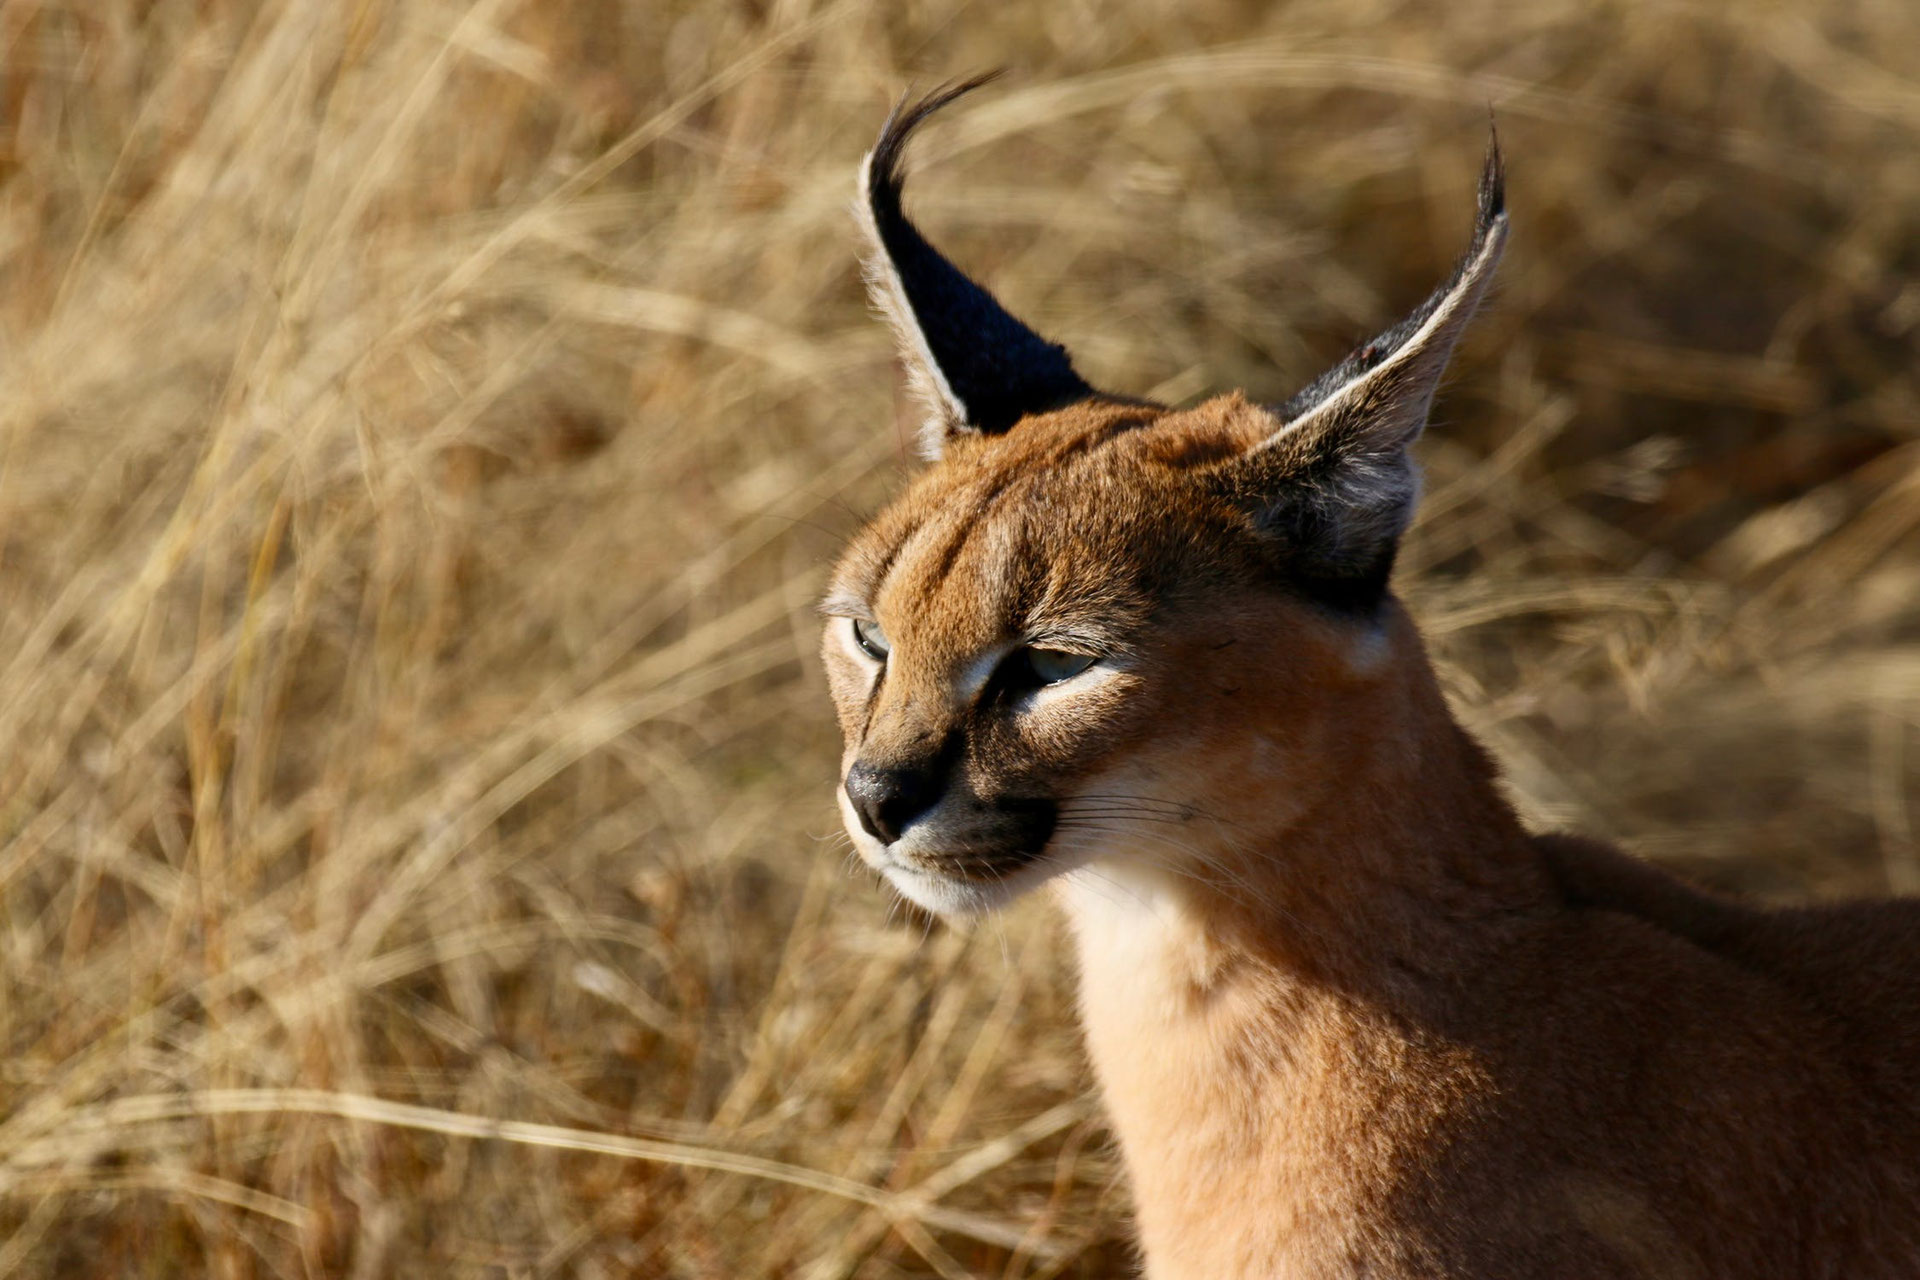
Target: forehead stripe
996,492
969,520
883,564
962,524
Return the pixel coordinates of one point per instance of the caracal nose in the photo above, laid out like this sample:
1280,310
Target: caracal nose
886,800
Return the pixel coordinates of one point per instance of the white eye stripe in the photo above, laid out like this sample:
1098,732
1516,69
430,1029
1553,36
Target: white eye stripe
1025,667
974,676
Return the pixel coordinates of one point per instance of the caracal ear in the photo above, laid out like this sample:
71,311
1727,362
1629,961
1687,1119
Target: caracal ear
974,366
1333,480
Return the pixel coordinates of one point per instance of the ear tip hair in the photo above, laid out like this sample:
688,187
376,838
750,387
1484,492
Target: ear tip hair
909,114
961,86
880,172
1493,178
967,84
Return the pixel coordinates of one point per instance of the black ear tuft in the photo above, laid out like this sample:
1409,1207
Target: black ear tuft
1493,186
977,367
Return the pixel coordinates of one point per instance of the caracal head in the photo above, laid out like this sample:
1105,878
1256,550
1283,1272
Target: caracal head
1092,621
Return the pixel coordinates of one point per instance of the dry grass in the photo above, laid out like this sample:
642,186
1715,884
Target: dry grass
424,428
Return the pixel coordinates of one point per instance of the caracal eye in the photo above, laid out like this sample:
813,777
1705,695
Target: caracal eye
1051,666
871,639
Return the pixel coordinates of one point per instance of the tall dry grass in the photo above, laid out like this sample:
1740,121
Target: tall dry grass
422,430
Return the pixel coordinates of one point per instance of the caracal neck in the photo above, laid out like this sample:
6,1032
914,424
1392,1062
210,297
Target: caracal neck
1327,836
1240,1007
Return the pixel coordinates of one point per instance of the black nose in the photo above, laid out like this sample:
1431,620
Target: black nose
888,799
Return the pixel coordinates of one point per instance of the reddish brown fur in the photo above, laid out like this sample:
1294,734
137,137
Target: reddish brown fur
1351,1019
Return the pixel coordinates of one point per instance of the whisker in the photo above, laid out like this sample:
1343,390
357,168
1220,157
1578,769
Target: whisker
1185,810
1143,802
1138,815
1224,877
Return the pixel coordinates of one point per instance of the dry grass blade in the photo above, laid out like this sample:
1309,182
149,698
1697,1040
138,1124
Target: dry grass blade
21,1173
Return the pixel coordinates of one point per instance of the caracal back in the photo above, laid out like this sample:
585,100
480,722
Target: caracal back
1348,1017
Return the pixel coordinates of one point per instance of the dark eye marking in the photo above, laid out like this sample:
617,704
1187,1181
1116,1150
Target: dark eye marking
1052,666
1032,667
871,639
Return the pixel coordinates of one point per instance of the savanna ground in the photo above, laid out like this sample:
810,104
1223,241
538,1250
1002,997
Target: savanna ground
424,427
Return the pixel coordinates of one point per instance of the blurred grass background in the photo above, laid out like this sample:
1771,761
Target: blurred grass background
424,428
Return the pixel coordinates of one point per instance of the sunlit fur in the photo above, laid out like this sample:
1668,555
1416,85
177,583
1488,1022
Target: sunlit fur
1348,1016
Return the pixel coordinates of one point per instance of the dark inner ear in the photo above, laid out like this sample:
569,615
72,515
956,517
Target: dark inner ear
1332,508
989,368
1353,585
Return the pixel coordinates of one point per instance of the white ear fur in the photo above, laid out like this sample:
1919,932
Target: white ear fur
1394,377
945,412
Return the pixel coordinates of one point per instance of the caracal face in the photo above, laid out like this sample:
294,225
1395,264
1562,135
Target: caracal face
1037,652
1031,649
